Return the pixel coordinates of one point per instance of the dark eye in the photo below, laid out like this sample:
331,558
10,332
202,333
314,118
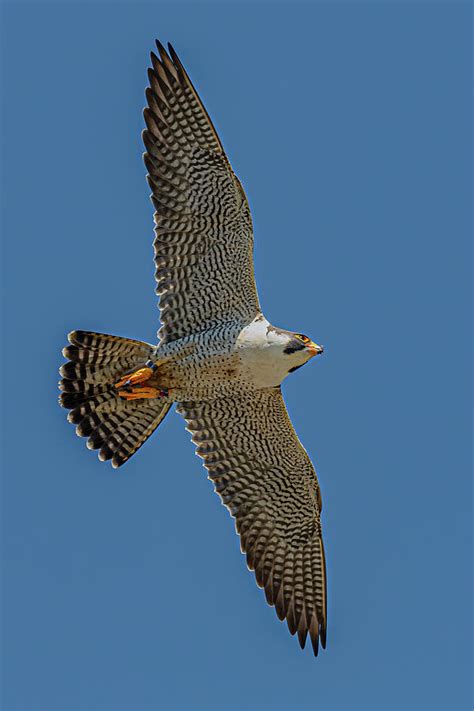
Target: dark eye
303,339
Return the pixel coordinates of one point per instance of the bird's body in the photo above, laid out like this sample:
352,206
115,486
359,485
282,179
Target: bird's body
217,357
225,360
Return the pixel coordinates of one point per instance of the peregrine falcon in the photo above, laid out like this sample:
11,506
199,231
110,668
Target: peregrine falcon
217,358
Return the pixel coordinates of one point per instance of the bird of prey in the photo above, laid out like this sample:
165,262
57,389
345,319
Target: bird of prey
217,358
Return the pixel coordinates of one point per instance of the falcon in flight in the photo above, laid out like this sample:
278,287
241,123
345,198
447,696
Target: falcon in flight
217,358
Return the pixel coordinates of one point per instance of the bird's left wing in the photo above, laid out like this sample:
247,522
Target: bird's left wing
204,238
265,478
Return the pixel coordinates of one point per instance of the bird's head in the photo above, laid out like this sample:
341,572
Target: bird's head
299,349
271,353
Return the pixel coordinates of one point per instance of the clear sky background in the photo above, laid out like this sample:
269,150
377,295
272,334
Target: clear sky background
348,124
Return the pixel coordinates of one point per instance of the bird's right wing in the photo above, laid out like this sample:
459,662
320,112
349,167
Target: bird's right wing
204,238
265,478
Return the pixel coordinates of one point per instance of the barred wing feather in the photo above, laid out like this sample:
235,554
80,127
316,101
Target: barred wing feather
265,478
204,239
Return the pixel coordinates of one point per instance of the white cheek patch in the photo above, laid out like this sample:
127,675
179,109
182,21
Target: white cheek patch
254,335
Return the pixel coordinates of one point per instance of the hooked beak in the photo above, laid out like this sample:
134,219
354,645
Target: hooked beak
314,349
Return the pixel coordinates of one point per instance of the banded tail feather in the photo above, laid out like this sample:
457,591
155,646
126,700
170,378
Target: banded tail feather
114,426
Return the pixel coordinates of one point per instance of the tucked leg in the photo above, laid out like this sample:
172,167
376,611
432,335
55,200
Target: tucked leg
141,393
139,376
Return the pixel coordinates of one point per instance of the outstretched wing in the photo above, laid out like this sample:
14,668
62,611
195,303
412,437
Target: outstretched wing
265,478
204,239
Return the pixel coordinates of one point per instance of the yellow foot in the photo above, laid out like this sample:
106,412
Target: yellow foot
139,376
141,393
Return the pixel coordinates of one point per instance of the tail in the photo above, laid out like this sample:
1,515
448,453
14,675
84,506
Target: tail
115,426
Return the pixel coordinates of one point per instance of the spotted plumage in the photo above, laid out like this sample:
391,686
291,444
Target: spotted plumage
217,357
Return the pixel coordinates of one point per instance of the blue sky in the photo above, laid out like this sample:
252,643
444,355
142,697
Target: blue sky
348,124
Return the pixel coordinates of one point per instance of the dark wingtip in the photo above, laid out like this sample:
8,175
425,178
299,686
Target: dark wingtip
322,635
159,46
176,60
172,52
149,94
155,63
302,634
314,633
315,645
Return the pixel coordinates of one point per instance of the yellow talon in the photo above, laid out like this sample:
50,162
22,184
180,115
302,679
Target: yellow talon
139,376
